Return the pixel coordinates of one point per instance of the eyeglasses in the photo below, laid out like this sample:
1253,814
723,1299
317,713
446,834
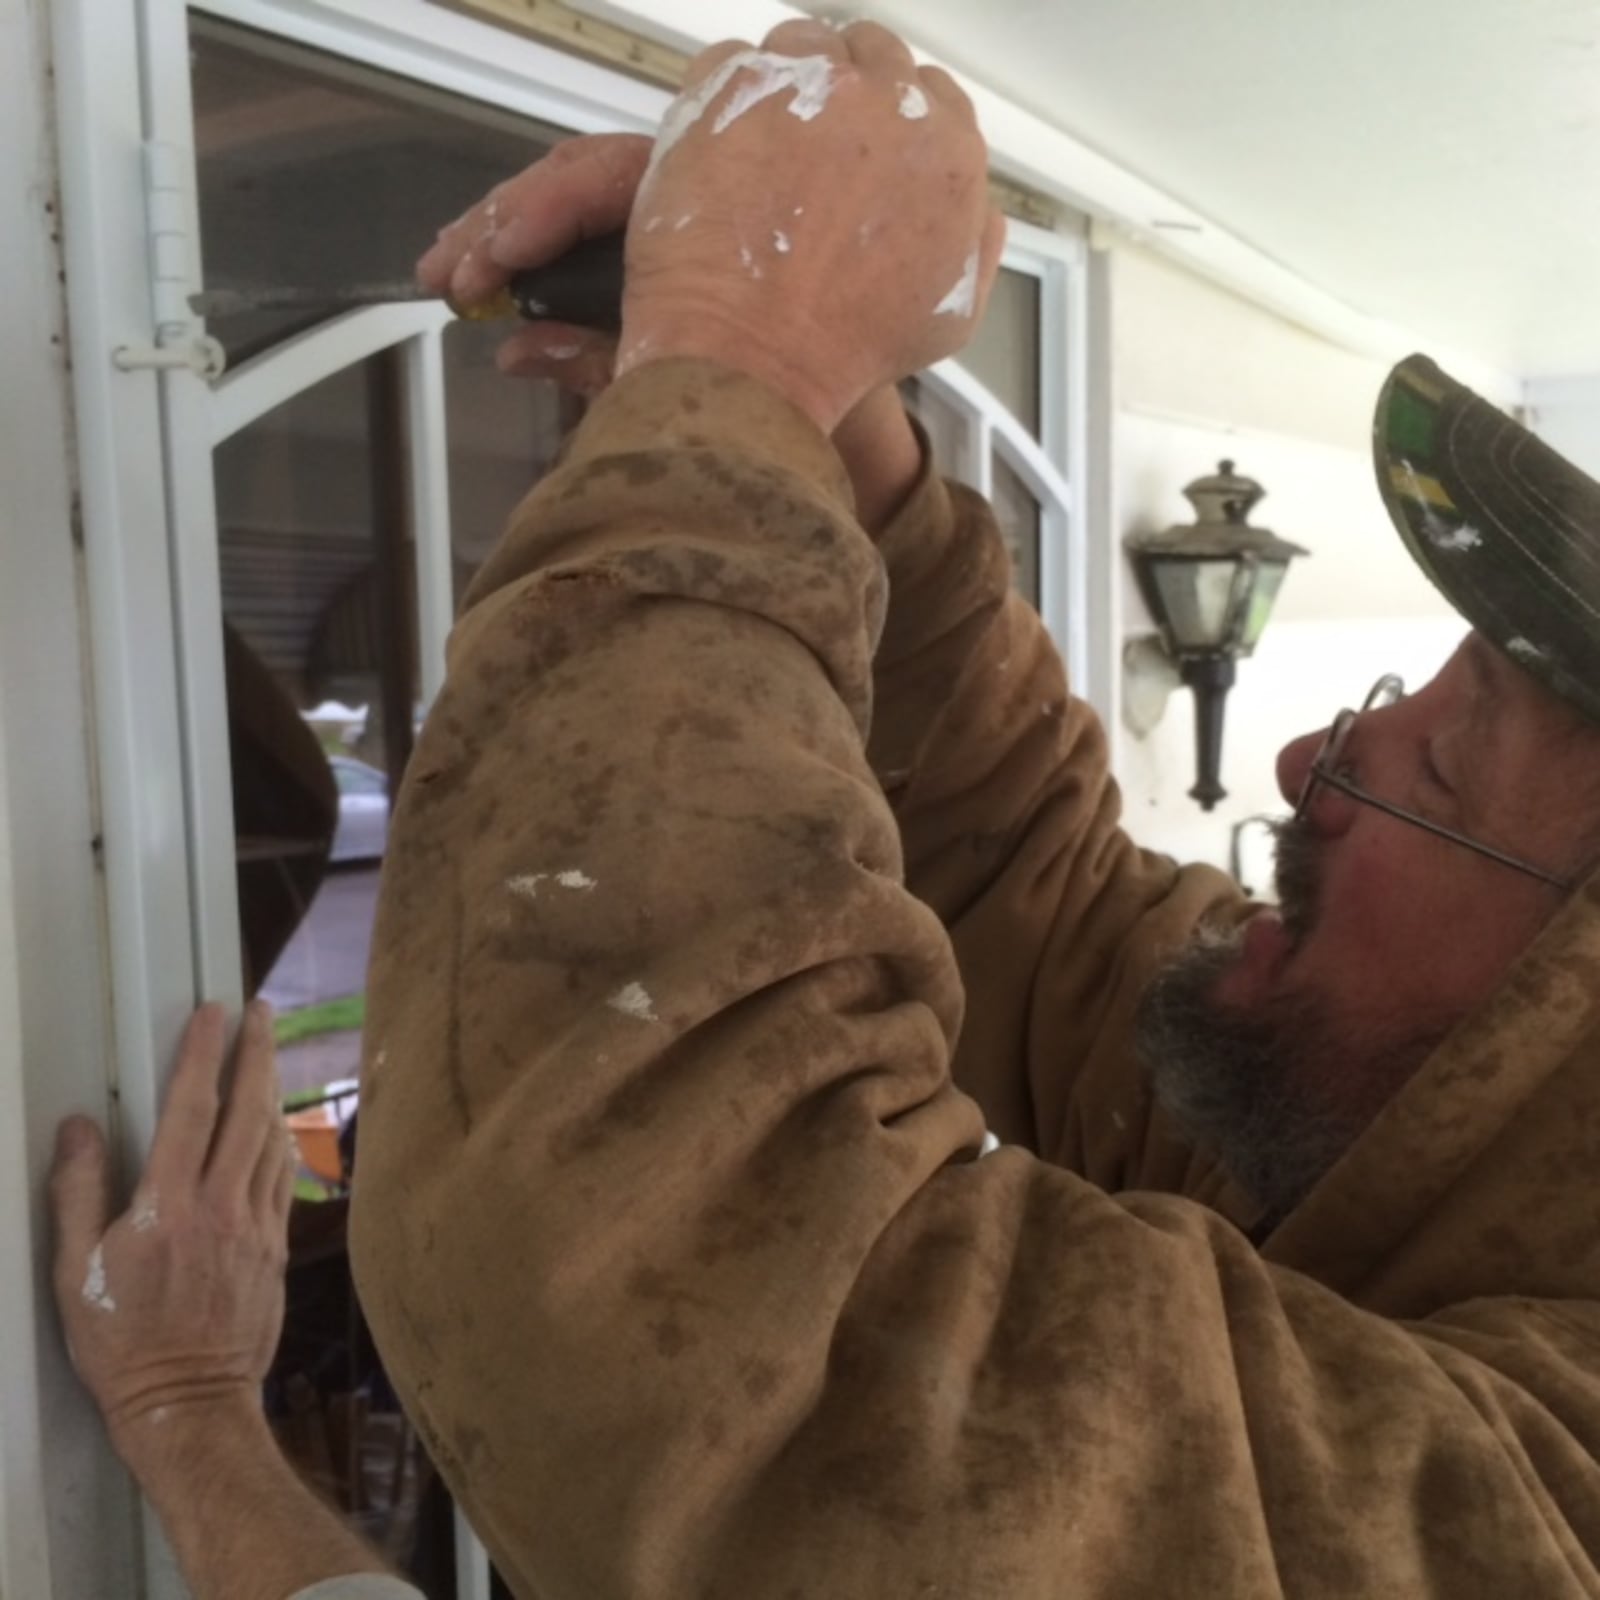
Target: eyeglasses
1328,768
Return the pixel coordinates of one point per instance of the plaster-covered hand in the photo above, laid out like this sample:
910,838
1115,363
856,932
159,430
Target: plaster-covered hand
584,187
815,213
172,1312
175,1306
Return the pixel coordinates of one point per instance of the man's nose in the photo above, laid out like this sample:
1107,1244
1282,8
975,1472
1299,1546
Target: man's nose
1294,764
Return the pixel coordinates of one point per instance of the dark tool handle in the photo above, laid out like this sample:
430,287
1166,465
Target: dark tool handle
583,287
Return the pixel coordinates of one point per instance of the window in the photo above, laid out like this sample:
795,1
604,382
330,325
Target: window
992,421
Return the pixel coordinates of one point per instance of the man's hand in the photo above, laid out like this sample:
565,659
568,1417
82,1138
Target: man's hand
172,1313
814,212
583,189
172,1310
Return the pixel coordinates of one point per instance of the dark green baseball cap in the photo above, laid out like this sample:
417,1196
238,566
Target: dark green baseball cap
1507,529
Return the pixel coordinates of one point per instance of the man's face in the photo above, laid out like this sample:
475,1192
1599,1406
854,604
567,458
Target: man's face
1277,1046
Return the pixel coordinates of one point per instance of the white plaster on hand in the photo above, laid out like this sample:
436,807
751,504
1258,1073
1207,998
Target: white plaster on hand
913,102
95,1292
962,299
808,78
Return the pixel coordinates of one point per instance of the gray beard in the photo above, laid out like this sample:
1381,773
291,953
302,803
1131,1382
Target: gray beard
1251,1088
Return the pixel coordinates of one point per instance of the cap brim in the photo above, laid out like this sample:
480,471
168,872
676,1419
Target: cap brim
1507,529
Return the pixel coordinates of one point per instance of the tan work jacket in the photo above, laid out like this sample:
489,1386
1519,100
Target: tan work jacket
666,1217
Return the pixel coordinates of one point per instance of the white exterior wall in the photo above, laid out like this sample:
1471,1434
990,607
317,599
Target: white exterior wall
56,1472
1566,413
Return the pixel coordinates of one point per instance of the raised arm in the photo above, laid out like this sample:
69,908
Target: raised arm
1012,829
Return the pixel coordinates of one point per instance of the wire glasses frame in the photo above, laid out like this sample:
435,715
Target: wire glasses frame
1326,769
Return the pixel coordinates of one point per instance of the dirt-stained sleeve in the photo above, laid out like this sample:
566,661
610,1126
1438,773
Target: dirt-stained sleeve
662,1213
1012,830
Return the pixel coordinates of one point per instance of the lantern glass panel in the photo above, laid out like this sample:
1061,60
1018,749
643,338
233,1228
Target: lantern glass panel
1198,598
1269,578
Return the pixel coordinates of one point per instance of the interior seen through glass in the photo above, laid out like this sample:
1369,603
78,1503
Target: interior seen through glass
317,172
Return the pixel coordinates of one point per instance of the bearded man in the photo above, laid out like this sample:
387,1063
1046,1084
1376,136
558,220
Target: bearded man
667,1218
756,843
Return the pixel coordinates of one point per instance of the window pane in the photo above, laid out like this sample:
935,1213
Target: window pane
952,435
1017,512
1004,353
301,593
503,435
315,171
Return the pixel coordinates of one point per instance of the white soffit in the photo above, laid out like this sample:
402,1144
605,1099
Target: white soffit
1412,173
1433,163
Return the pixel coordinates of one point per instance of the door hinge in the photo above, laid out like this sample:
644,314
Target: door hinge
170,213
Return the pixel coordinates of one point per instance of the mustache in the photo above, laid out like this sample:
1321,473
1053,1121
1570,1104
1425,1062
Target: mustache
1297,875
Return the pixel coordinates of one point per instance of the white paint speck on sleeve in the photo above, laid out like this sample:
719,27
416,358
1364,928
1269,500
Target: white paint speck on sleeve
633,1000
780,242
526,885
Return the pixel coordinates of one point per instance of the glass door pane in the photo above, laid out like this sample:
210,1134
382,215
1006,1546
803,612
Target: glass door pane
504,434
320,626
1004,353
317,172
1017,511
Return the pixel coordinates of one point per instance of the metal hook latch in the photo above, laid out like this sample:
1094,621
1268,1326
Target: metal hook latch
202,355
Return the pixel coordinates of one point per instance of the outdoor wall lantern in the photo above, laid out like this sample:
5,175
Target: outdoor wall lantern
1210,586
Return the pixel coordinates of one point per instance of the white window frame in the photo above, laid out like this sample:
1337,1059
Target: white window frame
1056,467
144,924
